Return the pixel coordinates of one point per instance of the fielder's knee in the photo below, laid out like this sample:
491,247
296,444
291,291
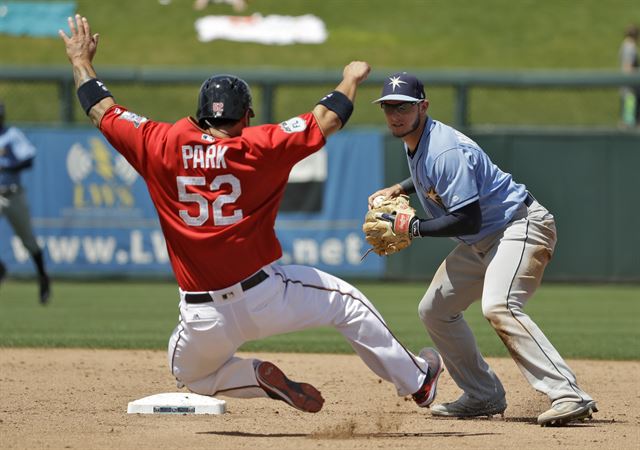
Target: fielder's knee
425,309
433,310
495,313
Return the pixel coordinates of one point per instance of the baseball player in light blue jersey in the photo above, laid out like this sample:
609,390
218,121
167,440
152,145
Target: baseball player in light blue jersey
506,238
17,154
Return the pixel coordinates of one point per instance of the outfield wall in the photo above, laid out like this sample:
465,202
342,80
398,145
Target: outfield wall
92,214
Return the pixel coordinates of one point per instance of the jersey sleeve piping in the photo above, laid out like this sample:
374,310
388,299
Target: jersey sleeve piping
444,151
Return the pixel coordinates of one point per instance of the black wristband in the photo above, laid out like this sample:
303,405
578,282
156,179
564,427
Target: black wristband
91,92
414,228
339,103
408,186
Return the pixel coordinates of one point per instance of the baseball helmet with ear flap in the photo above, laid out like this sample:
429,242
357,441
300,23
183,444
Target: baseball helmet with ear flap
224,97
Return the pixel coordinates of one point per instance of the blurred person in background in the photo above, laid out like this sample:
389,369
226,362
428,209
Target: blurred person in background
217,184
16,155
629,64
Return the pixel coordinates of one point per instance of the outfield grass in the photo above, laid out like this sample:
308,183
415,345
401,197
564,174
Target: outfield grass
391,35
589,321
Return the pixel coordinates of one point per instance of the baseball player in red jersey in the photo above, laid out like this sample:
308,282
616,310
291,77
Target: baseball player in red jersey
217,183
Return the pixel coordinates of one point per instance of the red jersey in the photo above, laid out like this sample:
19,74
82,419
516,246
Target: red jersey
217,199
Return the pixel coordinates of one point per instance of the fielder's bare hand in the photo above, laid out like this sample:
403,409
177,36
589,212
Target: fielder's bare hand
389,192
81,45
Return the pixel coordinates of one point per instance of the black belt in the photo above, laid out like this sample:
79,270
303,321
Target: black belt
529,200
247,284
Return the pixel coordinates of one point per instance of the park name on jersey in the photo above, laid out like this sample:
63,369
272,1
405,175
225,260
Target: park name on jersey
201,157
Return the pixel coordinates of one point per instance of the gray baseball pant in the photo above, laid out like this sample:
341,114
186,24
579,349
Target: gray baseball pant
16,208
504,270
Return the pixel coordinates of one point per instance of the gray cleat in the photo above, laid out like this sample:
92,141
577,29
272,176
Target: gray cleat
565,412
468,407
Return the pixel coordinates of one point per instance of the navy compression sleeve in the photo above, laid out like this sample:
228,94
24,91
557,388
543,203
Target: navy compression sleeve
407,186
466,220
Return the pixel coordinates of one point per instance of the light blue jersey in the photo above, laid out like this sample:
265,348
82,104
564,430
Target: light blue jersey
15,148
450,171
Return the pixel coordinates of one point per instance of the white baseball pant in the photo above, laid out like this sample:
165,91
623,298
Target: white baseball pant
202,346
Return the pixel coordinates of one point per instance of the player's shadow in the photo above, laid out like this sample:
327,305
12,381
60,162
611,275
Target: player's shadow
351,435
585,424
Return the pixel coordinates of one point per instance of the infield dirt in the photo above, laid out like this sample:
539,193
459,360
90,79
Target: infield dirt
66,398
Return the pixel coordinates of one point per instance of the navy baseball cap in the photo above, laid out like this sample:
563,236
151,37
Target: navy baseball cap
402,86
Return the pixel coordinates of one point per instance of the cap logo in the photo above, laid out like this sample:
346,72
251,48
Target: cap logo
395,83
402,86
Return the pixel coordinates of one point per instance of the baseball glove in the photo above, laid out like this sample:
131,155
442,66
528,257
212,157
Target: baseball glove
387,225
